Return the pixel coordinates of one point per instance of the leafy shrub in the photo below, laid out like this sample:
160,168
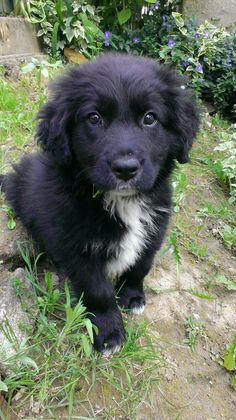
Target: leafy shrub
65,23
227,164
130,12
221,76
204,53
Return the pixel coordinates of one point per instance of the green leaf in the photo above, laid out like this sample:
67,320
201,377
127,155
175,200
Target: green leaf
89,328
86,345
69,7
28,361
28,68
3,386
44,72
90,26
233,382
56,295
230,356
202,295
124,15
11,224
155,289
59,12
183,30
69,34
178,19
229,361
48,281
231,285
54,38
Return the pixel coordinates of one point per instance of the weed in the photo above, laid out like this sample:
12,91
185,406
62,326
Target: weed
194,330
233,382
200,251
229,360
230,284
11,223
228,163
200,294
228,235
18,285
173,240
179,184
230,356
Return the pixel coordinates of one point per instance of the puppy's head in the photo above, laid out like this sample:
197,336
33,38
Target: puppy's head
120,119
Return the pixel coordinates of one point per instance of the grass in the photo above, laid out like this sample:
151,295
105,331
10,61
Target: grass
20,101
54,368
55,364
210,211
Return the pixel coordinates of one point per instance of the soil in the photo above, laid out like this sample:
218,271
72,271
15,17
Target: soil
195,385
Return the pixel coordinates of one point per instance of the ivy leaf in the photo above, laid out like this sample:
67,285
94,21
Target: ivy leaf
178,19
69,34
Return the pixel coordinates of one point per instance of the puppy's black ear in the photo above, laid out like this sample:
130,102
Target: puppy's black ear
183,115
53,131
186,124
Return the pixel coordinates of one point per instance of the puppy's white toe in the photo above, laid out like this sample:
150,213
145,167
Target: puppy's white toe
137,310
109,352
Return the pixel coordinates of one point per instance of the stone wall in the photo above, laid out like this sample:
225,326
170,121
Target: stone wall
217,12
18,40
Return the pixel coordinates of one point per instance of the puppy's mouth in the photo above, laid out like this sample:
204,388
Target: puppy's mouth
124,192
124,189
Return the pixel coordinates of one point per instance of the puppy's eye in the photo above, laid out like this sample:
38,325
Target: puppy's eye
149,119
94,118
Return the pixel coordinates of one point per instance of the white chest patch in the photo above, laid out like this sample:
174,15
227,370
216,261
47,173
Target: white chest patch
137,217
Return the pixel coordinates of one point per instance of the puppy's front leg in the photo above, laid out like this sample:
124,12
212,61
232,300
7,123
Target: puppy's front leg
130,286
99,298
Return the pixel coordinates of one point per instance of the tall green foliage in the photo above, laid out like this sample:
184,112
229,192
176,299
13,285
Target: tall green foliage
64,23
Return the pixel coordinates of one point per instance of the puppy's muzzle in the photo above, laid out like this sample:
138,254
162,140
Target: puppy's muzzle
125,169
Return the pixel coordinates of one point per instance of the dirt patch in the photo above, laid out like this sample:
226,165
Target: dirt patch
194,386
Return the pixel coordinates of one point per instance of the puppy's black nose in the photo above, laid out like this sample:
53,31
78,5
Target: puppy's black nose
125,169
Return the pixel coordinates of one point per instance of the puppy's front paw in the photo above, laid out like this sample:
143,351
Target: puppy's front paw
131,299
111,333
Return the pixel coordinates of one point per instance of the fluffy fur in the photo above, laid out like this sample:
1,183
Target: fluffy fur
97,197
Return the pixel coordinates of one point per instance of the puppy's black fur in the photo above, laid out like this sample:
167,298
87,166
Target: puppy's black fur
98,197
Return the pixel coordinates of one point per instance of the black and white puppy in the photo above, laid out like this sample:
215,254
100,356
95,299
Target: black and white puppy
97,198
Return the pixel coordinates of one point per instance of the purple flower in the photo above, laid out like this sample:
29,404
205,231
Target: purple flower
164,19
206,34
186,63
107,35
171,43
135,40
155,5
199,67
106,41
196,35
